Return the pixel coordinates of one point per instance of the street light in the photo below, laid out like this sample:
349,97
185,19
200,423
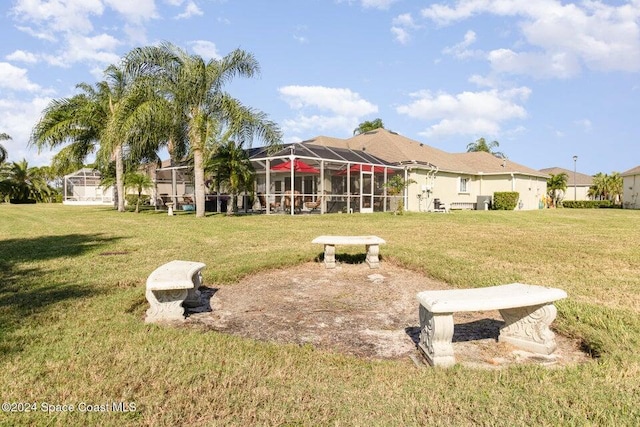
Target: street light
575,197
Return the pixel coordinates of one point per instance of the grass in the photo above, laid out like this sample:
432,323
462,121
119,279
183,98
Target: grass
72,331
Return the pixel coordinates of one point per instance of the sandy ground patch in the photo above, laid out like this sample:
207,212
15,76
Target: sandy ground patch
369,313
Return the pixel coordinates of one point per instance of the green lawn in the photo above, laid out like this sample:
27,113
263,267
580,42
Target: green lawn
72,332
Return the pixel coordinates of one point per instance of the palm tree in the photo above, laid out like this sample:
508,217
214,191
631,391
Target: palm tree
3,151
102,119
556,187
606,187
482,145
199,105
22,183
367,126
138,182
395,187
231,167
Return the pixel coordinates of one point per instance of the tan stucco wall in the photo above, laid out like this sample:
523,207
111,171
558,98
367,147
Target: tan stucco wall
631,191
445,186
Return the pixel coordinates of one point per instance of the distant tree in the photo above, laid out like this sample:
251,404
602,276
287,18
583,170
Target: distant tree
231,167
395,187
482,145
556,188
606,187
3,151
138,182
367,126
22,183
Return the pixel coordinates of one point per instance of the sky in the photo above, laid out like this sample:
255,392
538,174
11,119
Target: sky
547,79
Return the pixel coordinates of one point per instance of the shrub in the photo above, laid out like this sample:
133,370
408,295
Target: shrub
586,204
132,199
505,200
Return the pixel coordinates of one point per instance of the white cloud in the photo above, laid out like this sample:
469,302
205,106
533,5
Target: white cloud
585,124
537,64
377,4
15,79
61,15
205,48
467,113
401,26
401,35
136,11
461,50
571,36
192,9
99,49
22,56
324,108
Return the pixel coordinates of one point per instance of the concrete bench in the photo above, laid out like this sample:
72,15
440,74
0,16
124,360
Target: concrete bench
172,286
527,310
372,244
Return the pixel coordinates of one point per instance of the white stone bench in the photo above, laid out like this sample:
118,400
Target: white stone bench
172,286
372,244
527,310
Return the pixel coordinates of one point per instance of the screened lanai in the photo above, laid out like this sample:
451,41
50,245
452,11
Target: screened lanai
83,188
305,177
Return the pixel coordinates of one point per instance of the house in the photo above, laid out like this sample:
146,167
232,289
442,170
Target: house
631,188
459,180
578,184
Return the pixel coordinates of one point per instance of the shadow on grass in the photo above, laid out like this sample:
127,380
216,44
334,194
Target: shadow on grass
347,258
26,289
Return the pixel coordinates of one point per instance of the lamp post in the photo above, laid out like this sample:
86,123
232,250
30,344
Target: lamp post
575,191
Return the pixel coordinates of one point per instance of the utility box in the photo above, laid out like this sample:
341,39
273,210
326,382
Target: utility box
483,203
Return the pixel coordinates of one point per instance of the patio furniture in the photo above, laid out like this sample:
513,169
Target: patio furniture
312,206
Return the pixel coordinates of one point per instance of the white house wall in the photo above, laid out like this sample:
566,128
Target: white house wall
631,189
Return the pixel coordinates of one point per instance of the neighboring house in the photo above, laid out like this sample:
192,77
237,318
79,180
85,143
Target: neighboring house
631,188
577,184
83,188
459,180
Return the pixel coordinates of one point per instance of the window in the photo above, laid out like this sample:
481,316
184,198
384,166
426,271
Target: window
463,188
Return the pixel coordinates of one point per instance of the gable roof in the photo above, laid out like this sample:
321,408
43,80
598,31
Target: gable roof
581,179
399,149
632,171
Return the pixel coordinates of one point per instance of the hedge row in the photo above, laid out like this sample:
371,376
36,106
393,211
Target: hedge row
586,204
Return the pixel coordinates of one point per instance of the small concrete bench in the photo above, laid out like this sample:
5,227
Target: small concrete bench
527,310
172,286
372,244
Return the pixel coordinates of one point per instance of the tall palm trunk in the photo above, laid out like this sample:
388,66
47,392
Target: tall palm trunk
119,176
198,171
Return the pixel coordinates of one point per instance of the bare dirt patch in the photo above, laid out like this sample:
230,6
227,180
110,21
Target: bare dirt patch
370,313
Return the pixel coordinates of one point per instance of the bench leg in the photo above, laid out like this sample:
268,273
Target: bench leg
528,328
372,256
330,256
165,305
193,294
436,333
